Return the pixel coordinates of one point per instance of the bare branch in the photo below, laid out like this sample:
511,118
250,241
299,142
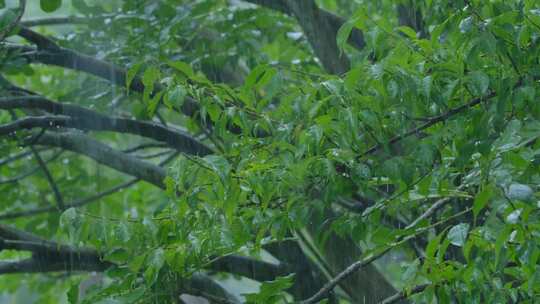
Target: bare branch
15,157
62,20
30,172
85,119
46,255
80,202
50,180
33,122
105,155
144,146
42,42
74,204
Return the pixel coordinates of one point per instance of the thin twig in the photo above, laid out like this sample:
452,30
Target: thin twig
50,180
433,121
18,156
402,295
81,202
328,287
28,173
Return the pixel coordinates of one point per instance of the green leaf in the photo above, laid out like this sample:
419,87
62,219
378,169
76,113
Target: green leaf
479,82
175,98
50,6
131,73
73,293
407,31
7,17
150,77
182,67
132,296
155,262
2,4
481,199
153,104
519,192
344,32
68,217
260,75
458,234
219,165
270,291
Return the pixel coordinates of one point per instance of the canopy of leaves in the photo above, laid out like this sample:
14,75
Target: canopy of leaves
261,151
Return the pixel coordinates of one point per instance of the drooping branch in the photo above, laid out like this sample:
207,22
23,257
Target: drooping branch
85,119
33,122
46,255
105,155
48,52
62,20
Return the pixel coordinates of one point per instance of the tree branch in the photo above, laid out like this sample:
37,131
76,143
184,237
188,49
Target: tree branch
74,204
430,122
356,38
323,292
62,57
15,157
62,20
86,119
29,172
51,256
50,180
402,295
320,34
80,202
105,155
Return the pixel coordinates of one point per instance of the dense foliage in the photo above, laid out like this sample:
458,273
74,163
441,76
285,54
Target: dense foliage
269,151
